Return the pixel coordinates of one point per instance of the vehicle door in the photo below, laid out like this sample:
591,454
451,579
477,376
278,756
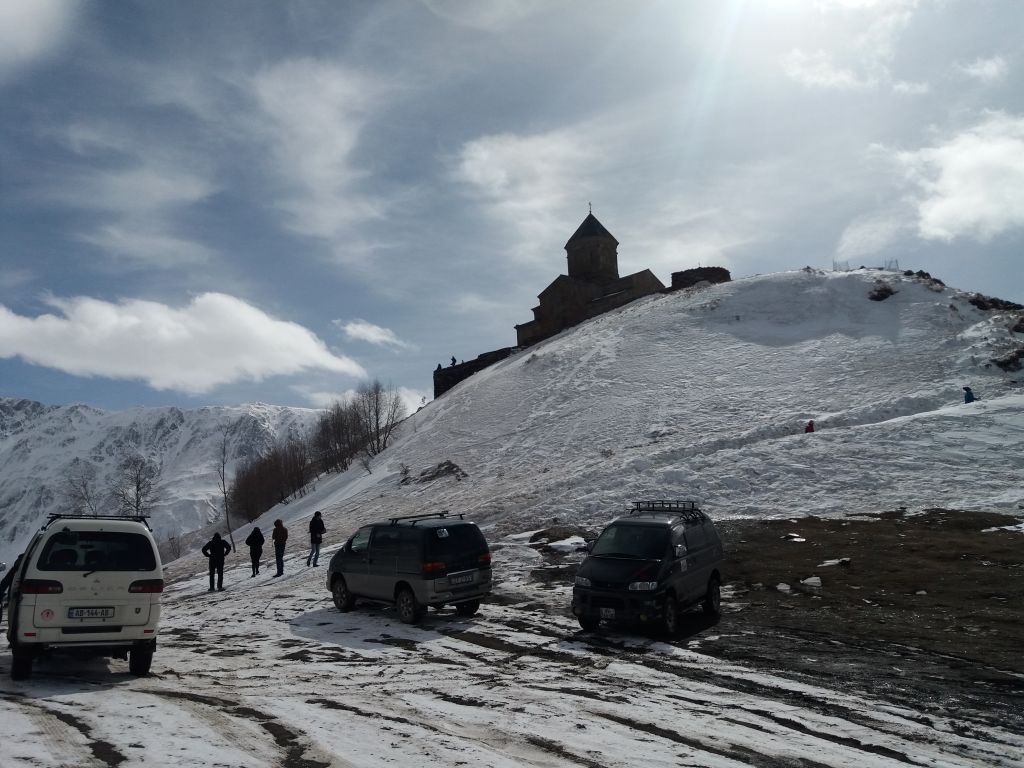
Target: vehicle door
354,561
697,561
381,562
679,575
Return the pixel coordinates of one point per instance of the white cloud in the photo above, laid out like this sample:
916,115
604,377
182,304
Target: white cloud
872,29
215,340
986,70
31,30
871,234
319,398
971,185
146,245
817,70
487,16
312,115
374,334
530,182
413,398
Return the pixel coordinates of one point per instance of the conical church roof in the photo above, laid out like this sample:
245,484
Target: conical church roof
591,227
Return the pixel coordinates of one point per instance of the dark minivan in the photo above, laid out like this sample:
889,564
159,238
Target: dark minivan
414,561
650,566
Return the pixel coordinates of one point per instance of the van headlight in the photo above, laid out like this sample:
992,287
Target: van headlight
643,586
582,581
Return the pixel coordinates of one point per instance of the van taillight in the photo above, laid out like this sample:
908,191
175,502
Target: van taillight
485,558
41,587
147,585
434,567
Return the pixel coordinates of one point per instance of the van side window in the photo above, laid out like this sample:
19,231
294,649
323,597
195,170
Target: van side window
361,540
695,537
385,541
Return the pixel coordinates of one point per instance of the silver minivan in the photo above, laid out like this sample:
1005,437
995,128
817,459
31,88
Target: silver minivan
87,585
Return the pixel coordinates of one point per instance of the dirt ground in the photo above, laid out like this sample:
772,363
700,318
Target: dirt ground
912,608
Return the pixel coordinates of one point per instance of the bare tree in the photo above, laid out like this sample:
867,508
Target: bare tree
222,476
380,410
80,488
135,487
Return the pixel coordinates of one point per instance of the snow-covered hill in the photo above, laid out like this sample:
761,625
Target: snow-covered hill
39,445
705,393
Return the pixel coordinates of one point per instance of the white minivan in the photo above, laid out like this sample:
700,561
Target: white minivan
87,585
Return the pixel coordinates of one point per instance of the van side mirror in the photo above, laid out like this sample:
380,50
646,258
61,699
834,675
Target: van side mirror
680,550
590,546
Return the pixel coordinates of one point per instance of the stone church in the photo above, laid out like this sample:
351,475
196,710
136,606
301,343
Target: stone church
591,288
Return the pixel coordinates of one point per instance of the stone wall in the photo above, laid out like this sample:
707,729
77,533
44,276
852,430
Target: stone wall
690,277
446,378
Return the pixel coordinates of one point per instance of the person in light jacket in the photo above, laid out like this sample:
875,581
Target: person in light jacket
280,536
255,543
215,549
316,535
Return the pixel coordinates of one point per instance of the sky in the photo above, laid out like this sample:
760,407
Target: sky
217,203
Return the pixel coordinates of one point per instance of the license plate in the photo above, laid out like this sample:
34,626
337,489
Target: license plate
90,613
607,613
461,578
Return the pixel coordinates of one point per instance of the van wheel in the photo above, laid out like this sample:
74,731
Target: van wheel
344,600
712,604
409,611
672,620
140,658
21,663
588,623
467,609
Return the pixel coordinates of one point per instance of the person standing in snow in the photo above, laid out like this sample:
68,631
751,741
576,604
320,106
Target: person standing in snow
215,549
969,395
280,536
7,581
316,535
809,427
255,543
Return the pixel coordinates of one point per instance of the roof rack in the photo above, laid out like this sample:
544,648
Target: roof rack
427,516
685,509
54,516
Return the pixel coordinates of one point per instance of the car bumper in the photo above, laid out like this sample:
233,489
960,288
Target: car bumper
618,605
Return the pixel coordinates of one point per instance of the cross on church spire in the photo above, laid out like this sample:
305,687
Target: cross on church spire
590,208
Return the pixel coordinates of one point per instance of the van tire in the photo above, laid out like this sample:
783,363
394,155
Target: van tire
140,659
21,663
344,600
712,604
409,610
672,618
468,608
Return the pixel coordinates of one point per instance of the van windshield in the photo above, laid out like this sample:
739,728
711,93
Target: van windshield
639,542
97,551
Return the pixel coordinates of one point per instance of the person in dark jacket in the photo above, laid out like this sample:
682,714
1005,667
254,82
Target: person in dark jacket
255,543
809,427
280,536
215,549
969,395
316,535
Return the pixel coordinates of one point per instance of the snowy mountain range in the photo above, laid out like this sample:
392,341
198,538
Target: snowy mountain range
41,445
701,394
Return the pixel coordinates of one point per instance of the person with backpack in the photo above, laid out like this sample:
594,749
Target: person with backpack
215,549
280,536
316,535
255,543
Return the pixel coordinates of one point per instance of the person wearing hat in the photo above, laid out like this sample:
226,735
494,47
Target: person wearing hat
969,395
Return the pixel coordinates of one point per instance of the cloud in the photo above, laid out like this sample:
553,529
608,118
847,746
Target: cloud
374,334
319,398
972,185
146,245
137,188
32,30
213,341
311,115
871,234
986,70
528,182
487,16
873,29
